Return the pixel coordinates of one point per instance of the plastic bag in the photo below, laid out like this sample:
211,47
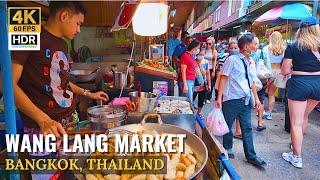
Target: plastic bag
216,123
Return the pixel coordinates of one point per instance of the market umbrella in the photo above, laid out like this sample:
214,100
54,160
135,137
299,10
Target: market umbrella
296,11
283,14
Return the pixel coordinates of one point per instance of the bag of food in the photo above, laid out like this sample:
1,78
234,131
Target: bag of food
216,123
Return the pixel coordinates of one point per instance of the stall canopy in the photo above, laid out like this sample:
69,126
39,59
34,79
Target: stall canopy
296,11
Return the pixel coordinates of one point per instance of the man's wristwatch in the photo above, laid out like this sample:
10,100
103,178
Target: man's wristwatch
86,92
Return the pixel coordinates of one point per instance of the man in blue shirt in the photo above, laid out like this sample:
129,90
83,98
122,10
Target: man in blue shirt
237,94
173,42
180,49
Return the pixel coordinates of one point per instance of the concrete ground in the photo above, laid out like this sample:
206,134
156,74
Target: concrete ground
272,142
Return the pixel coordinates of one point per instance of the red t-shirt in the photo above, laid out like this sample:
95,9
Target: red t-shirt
187,59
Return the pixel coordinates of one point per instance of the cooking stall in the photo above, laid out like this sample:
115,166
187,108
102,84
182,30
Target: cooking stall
140,91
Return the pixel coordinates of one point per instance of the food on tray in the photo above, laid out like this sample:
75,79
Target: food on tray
157,65
180,166
173,107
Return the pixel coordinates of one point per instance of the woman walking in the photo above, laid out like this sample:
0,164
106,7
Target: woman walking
203,81
302,61
275,51
188,68
211,54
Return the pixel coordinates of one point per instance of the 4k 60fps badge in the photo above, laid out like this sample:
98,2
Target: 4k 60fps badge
24,28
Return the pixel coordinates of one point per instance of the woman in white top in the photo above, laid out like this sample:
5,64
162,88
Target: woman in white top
210,54
275,51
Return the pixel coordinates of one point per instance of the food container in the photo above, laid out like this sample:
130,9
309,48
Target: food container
105,117
145,102
120,80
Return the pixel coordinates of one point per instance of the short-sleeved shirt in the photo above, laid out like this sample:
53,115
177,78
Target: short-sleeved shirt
172,44
261,55
237,85
187,59
220,63
45,78
302,60
179,50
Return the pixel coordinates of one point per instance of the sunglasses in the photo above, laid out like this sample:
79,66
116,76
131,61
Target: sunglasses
209,44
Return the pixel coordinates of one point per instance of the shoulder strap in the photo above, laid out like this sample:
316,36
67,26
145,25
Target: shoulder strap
246,69
261,54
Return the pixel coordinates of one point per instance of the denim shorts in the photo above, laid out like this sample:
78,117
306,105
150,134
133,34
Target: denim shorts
301,88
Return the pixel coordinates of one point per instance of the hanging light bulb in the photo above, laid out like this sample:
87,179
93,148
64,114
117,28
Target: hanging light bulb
150,19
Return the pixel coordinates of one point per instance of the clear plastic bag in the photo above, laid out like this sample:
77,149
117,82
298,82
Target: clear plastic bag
216,123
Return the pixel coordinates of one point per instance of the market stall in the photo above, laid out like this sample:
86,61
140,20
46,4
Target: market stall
128,110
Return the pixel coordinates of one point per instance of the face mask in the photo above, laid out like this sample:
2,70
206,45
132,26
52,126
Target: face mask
252,53
234,51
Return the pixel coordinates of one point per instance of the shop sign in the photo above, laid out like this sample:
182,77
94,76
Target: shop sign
24,28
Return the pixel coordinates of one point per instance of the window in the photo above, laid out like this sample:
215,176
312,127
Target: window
218,14
230,2
232,7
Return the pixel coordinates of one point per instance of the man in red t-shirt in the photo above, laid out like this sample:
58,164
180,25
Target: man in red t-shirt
43,93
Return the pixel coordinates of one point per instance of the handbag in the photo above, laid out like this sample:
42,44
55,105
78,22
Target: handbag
199,87
262,71
281,81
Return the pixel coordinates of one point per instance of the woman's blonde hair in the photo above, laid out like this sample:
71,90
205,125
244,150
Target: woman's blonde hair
308,38
276,44
213,48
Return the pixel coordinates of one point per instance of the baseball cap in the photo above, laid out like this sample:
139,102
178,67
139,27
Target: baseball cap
309,21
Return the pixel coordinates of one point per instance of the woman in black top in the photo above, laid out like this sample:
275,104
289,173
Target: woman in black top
302,61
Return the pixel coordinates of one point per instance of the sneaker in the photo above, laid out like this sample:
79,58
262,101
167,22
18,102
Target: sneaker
268,116
296,161
257,162
263,115
208,101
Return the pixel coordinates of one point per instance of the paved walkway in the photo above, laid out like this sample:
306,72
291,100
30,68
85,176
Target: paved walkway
272,142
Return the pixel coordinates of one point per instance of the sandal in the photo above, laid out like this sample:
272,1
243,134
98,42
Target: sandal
261,128
238,136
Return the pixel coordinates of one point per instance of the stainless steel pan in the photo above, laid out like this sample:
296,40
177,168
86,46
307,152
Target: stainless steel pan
81,75
194,142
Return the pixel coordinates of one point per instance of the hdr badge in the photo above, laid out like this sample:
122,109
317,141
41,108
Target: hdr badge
24,28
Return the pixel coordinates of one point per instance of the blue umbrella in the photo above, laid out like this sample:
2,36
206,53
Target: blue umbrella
296,11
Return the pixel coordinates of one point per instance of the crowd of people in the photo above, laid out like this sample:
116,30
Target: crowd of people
240,73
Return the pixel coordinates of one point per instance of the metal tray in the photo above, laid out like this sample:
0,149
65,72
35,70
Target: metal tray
179,99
